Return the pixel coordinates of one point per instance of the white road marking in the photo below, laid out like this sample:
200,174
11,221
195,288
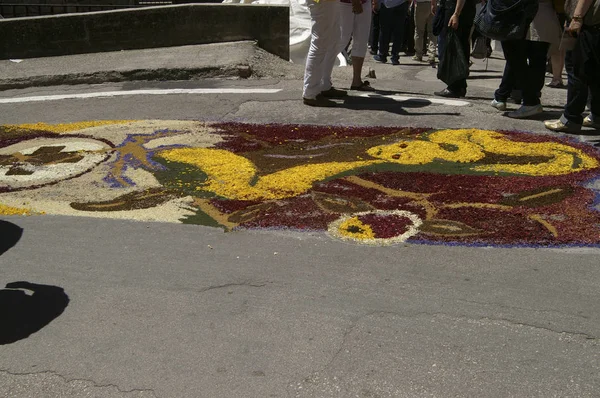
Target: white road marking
105,94
401,98
108,94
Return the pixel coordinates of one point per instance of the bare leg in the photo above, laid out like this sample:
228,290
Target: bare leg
558,63
357,64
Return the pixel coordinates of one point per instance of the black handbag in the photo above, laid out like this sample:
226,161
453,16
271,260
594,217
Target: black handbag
506,19
453,65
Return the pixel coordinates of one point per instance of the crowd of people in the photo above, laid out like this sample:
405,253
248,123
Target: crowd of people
562,33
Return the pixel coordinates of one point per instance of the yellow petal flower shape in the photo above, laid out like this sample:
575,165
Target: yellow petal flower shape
235,177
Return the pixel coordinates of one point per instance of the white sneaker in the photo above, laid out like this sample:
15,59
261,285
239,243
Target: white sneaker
526,111
501,106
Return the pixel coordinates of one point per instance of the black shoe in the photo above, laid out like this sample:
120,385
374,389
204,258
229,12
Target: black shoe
320,101
451,94
334,93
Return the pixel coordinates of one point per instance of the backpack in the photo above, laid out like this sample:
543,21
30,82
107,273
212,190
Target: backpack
506,19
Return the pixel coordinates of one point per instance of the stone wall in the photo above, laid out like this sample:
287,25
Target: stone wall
149,27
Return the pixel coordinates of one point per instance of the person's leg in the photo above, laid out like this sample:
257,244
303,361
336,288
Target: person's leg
346,25
577,96
464,35
332,44
422,12
385,34
322,30
362,22
432,48
537,52
374,36
557,60
409,31
508,77
399,18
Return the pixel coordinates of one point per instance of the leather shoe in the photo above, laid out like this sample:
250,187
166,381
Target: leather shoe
450,94
558,125
334,93
320,101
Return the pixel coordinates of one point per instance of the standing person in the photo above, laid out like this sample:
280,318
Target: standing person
526,63
374,35
458,15
324,48
556,52
582,64
356,23
392,17
424,31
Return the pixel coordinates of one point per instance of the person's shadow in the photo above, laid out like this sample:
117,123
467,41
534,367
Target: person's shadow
9,235
24,313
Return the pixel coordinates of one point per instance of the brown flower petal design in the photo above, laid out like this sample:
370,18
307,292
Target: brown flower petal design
338,204
447,228
539,197
132,201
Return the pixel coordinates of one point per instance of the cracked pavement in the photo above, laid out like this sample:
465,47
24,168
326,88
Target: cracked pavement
171,310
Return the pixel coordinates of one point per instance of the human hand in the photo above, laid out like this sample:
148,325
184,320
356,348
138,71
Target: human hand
574,27
357,7
453,22
433,9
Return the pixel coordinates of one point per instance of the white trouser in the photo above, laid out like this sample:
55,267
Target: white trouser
357,26
325,35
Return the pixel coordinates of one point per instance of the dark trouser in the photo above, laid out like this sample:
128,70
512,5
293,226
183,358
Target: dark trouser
391,22
525,68
579,83
408,35
374,34
465,23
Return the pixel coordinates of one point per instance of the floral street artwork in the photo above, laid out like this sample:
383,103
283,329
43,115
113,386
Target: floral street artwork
363,185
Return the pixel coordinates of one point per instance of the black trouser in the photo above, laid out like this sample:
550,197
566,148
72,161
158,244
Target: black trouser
465,23
391,22
525,68
583,78
374,34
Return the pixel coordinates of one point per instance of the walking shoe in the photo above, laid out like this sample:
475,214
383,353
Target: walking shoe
380,58
589,122
334,93
526,111
395,61
431,60
450,94
417,58
558,125
500,105
320,101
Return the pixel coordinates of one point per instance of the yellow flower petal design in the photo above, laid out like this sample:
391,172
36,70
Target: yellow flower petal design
66,127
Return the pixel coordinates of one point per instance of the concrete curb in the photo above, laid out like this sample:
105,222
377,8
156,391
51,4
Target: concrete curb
242,71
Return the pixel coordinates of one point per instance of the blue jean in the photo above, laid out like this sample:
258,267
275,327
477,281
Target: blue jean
578,87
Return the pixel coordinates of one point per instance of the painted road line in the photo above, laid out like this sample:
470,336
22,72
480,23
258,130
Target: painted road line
105,94
402,98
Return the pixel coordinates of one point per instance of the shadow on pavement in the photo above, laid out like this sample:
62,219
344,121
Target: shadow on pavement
377,102
22,314
10,234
